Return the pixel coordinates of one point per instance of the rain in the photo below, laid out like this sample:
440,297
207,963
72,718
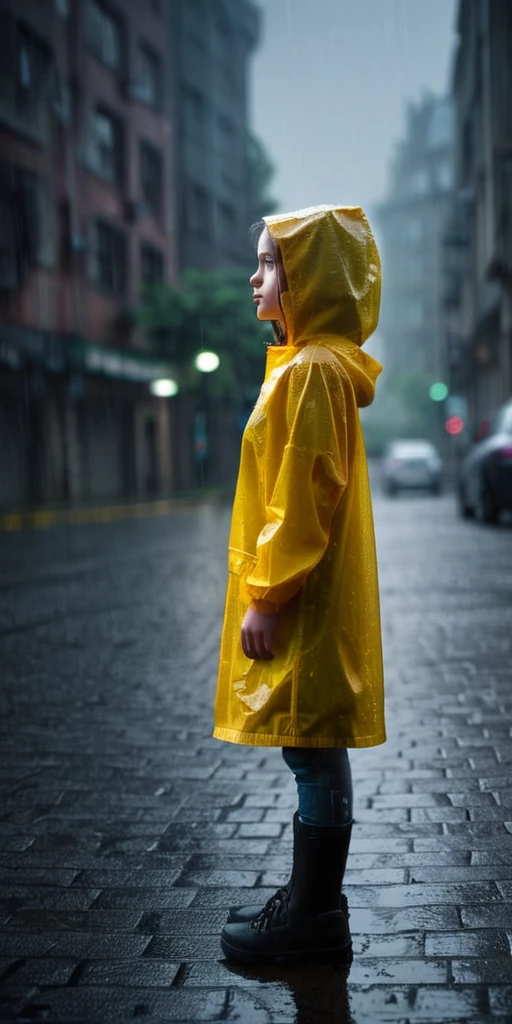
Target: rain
255,511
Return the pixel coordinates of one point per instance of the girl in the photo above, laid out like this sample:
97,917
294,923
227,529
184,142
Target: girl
301,661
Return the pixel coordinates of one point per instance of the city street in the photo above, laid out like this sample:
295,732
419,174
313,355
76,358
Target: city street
126,830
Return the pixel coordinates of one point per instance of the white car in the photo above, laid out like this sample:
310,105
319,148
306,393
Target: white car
411,465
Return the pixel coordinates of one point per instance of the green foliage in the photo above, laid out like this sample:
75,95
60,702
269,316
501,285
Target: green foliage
209,311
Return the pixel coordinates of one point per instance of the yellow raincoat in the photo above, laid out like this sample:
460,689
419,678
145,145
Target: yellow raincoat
302,537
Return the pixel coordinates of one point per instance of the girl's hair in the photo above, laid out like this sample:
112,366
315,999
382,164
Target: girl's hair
255,231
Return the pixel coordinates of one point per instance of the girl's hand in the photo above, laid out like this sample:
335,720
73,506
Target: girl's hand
257,636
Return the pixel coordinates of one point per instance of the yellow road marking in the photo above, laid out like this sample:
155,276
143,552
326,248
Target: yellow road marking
43,518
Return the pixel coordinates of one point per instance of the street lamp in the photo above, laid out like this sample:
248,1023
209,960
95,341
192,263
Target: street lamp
205,362
165,387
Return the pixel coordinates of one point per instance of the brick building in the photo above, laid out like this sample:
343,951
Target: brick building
85,219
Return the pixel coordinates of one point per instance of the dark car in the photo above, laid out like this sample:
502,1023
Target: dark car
485,479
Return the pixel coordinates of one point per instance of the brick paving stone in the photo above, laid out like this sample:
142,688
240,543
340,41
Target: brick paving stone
426,895
432,1003
93,945
225,879
230,897
185,947
124,877
384,919
258,830
472,873
482,943
131,973
192,921
384,970
495,915
407,944
144,899
37,876
43,971
73,920
500,999
506,889
482,971
47,897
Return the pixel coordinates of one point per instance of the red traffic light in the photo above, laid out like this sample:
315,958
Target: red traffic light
454,425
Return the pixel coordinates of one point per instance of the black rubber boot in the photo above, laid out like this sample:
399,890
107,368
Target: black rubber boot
303,921
247,912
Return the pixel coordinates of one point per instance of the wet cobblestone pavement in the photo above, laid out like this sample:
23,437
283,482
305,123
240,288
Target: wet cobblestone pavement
126,831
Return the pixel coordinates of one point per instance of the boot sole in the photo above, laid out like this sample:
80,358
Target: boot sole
233,913
330,953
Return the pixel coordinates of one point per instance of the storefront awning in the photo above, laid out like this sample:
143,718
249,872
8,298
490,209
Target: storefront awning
20,347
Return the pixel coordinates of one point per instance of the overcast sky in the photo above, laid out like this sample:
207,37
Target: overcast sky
329,86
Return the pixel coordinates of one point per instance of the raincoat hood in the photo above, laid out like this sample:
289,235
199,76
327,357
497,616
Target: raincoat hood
333,272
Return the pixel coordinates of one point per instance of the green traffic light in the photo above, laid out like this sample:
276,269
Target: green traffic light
438,392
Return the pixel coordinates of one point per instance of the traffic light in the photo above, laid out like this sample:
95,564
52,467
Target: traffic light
456,409
454,425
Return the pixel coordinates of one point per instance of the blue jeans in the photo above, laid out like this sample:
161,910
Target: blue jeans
324,784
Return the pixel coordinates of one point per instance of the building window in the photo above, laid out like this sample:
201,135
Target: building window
413,230
194,114
418,183
225,134
224,50
151,177
103,34
36,219
226,223
198,211
440,128
444,176
109,258
149,84
33,64
151,265
107,146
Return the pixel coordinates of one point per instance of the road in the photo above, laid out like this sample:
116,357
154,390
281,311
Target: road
126,830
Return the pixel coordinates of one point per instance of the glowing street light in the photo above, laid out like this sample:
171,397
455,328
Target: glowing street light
165,387
206,362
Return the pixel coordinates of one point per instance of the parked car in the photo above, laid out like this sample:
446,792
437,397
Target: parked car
411,464
485,477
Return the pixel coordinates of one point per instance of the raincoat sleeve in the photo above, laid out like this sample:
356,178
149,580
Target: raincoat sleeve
309,483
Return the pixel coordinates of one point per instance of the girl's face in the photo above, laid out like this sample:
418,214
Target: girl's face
267,280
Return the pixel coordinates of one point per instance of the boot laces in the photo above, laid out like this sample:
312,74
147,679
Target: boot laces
274,911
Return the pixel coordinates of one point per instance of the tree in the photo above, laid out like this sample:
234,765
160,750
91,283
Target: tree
209,311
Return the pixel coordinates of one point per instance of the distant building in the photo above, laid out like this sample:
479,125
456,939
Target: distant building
123,160
410,223
211,41
478,244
